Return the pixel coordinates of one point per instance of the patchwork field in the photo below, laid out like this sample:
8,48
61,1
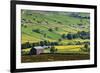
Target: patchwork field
66,35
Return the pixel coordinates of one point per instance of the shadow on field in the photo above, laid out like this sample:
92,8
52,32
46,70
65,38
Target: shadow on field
54,57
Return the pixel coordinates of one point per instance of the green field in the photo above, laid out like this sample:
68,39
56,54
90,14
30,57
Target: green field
45,20
67,32
60,49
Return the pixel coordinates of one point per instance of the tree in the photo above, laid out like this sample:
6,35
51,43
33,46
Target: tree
26,45
50,29
38,22
36,30
53,49
78,43
25,26
56,43
41,43
63,36
59,40
86,48
56,28
32,51
75,36
23,46
52,43
69,36
33,44
84,35
45,43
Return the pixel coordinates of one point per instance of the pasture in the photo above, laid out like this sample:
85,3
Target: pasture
66,32
61,49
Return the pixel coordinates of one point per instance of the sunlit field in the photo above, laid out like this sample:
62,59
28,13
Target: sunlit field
54,36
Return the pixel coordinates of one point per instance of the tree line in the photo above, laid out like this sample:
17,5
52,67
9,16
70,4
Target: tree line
47,43
80,34
41,43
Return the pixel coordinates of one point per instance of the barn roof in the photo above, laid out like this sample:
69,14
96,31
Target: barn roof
39,47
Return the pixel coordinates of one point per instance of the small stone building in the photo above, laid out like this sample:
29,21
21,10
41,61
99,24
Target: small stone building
36,50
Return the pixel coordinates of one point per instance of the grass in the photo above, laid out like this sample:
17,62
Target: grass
61,49
43,21
70,48
63,21
26,38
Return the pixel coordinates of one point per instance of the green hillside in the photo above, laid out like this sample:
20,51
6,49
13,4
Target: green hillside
44,25
61,35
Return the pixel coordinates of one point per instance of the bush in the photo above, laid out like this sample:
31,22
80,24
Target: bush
86,48
41,43
63,36
25,26
50,29
36,30
59,40
53,49
69,36
78,43
84,35
26,45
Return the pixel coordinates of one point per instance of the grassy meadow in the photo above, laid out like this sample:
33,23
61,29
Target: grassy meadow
66,35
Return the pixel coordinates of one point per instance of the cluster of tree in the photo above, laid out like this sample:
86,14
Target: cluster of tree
25,45
41,43
53,49
77,15
86,48
46,43
81,34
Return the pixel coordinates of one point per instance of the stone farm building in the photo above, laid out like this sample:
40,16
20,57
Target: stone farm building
37,50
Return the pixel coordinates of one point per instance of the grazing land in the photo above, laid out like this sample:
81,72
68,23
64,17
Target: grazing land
59,36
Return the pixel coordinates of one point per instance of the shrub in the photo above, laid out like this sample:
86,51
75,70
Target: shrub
63,36
53,49
50,29
26,45
86,48
36,30
56,28
69,36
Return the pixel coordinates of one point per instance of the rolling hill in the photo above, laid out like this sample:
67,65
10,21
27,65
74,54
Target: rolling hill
48,25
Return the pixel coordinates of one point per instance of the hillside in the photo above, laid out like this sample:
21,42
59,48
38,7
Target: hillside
50,26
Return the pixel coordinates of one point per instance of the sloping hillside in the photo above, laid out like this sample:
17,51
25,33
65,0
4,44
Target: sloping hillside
51,26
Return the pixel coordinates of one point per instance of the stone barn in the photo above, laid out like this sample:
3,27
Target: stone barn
36,50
